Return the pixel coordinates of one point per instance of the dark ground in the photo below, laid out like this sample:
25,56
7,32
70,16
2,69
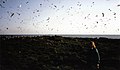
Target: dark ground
55,53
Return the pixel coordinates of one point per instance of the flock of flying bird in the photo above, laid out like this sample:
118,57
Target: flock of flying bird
53,6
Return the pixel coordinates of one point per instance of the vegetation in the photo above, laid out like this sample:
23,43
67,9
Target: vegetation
55,53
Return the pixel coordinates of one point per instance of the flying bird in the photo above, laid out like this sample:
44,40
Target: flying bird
3,1
103,14
118,5
1,6
27,2
12,15
48,18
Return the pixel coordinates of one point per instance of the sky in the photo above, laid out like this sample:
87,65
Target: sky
60,17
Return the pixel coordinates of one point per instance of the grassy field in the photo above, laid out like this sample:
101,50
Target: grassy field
55,53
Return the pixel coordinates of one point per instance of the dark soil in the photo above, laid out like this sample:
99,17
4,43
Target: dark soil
55,53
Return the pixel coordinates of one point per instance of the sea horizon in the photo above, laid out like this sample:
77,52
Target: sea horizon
69,35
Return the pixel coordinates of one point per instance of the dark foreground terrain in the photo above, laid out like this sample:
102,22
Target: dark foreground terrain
55,53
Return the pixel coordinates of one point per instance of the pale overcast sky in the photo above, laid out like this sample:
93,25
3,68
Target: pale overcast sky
60,17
